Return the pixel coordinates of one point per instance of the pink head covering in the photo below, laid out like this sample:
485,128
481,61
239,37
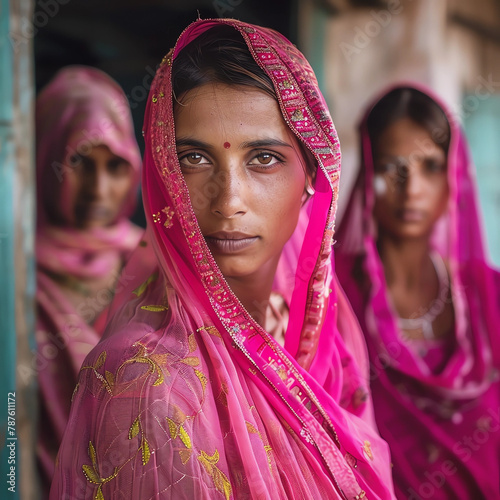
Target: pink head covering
79,109
186,395
426,413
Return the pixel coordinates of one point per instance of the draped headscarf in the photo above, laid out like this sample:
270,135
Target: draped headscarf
187,396
441,420
80,108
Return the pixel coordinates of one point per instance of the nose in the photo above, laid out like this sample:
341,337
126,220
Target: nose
96,183
228,188
413,181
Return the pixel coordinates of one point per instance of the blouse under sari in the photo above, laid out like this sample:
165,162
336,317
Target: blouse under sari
437,403
186,396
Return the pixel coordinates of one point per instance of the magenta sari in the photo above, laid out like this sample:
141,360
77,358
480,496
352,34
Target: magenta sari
439,409
186,396
80,108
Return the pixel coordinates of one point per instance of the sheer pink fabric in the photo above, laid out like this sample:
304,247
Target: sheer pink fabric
79,109
187,396
439,412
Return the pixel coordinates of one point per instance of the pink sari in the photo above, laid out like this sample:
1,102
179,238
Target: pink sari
439,411
186,396
77,99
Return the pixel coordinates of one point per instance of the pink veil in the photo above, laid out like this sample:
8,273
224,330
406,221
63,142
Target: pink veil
80,108
426,414
245,418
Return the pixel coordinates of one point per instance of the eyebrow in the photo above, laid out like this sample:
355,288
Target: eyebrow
261,143
188,141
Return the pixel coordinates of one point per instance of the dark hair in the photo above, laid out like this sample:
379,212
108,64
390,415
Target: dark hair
406,102
220,55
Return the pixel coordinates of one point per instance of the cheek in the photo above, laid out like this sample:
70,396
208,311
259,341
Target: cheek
122,187
441,196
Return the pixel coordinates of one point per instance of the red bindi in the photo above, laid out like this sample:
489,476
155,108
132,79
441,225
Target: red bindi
227,145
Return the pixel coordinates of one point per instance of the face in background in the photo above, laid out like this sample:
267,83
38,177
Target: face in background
96,185
410,182
244,172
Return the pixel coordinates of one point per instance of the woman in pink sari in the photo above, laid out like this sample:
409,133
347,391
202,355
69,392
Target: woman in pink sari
410,257
88,171
213,379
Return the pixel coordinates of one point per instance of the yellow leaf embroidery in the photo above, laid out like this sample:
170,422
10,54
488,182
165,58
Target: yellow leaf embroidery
134,429
192,343
191,361
185,455
184,437
202,378
92,455
251,428
75,391
100,360
154,361
220,480
90,474
110,378
155,308
93,475
142,288
160,378
211,330
172,427
146,453
179,415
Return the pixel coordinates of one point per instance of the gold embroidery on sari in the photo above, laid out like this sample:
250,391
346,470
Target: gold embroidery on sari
156,363
223,394
155,308
176,429
134,430
211,330
202,378
169,214
142,288
367,450
108,378
267,448
220,480
192,345
93,476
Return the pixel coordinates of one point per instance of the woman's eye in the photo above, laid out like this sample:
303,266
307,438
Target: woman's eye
386,168
265,159
75,160
433,165
192,159
118,167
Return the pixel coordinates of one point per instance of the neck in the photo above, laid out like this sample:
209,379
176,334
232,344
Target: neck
406,262
254,290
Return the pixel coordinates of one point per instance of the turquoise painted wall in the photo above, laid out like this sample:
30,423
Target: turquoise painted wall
9,456
482,126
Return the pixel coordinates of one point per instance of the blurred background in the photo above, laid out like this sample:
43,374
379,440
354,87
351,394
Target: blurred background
356,47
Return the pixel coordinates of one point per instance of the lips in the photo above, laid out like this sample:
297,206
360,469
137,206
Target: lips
411,215
226,242
97,212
